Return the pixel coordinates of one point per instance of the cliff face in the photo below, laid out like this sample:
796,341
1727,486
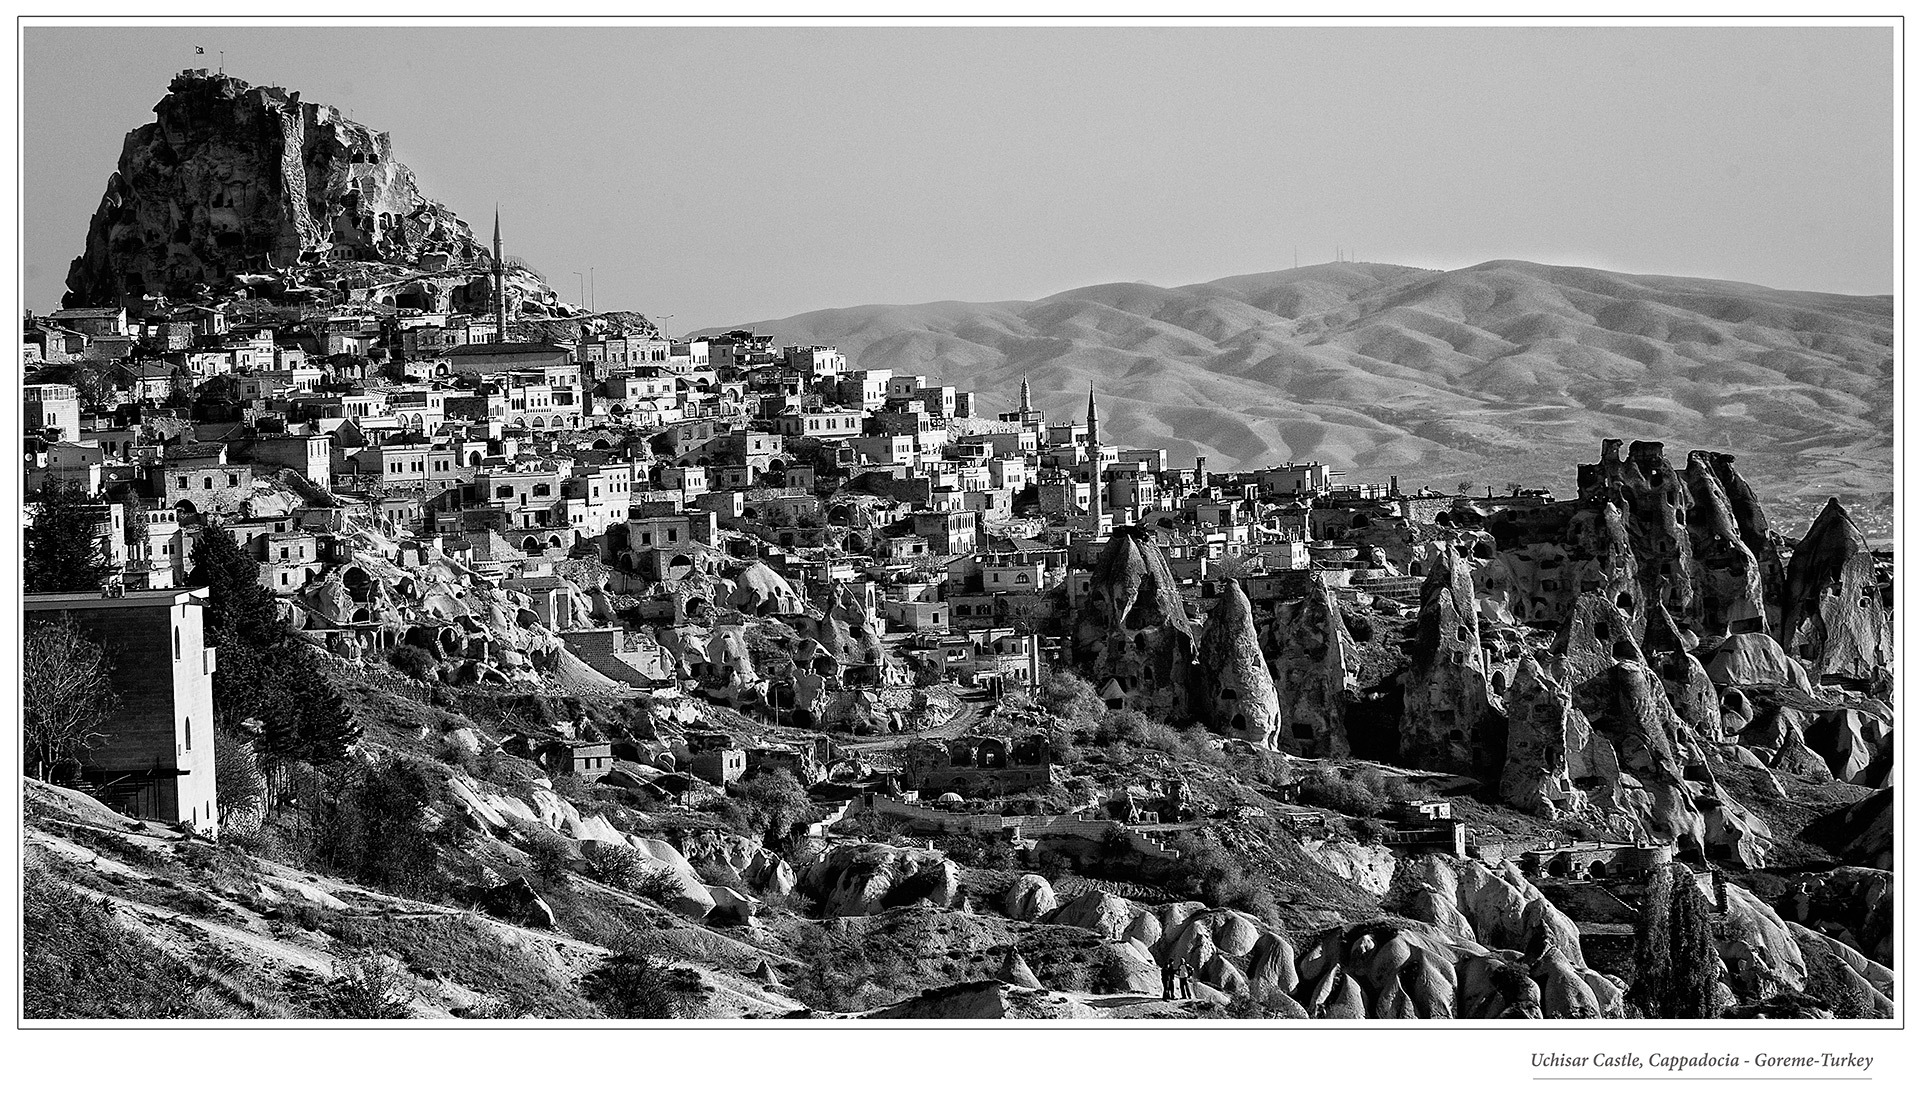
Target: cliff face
238,184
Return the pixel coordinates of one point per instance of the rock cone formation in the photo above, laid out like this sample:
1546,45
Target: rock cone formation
1834,618
1446,686
1133,631
1308,649
1234,690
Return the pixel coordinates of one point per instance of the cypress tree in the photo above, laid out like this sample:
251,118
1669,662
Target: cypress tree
1695,955
1674,951
239,609
61,553
327,726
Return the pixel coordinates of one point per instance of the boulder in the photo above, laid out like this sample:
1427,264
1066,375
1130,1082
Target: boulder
1271,965
730,907
1030,898
1760,953
1014,970
518,902
1145,928
1755,659
1564,991
1109,915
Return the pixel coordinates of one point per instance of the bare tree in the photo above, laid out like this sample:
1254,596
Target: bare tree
65,693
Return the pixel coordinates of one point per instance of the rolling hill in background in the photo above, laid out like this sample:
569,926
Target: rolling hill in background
1505,371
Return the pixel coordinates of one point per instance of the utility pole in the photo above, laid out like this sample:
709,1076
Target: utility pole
583,284
593,295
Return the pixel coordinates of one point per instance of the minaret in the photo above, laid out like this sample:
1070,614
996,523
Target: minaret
1093,451
499,283
1026,399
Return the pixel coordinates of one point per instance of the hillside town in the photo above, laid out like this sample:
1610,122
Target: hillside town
720,639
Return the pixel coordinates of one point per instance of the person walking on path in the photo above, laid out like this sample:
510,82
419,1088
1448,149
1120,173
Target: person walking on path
1166,983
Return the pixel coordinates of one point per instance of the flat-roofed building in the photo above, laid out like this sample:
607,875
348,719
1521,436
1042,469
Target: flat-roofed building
154,756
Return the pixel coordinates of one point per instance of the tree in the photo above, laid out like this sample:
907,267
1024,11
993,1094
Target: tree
1674,950
239,609
264,671
1465,487
62,551
66,694
779,803
328,729
238,785
136,525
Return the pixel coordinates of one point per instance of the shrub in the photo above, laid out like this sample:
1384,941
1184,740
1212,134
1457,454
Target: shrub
660,884
616,866
636,985
1831,988
368,988
1134,728
1348,790
376,828
1052,865
551,857
238,786
1068,696
1206,872
412,661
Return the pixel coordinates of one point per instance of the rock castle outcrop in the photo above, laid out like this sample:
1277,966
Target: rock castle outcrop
236,184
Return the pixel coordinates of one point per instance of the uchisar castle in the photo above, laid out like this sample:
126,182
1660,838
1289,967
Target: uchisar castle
475,635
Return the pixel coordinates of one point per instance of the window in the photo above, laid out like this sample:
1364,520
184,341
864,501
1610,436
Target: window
206,483
233,480
176,645
183,482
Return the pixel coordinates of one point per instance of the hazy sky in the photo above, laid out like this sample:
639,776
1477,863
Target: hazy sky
724,175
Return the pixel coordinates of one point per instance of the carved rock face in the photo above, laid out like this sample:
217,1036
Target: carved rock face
1653,503
1640,748
1446,710
1308,649
1726,573
1233,689
1132,633
1834,620
1549,746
